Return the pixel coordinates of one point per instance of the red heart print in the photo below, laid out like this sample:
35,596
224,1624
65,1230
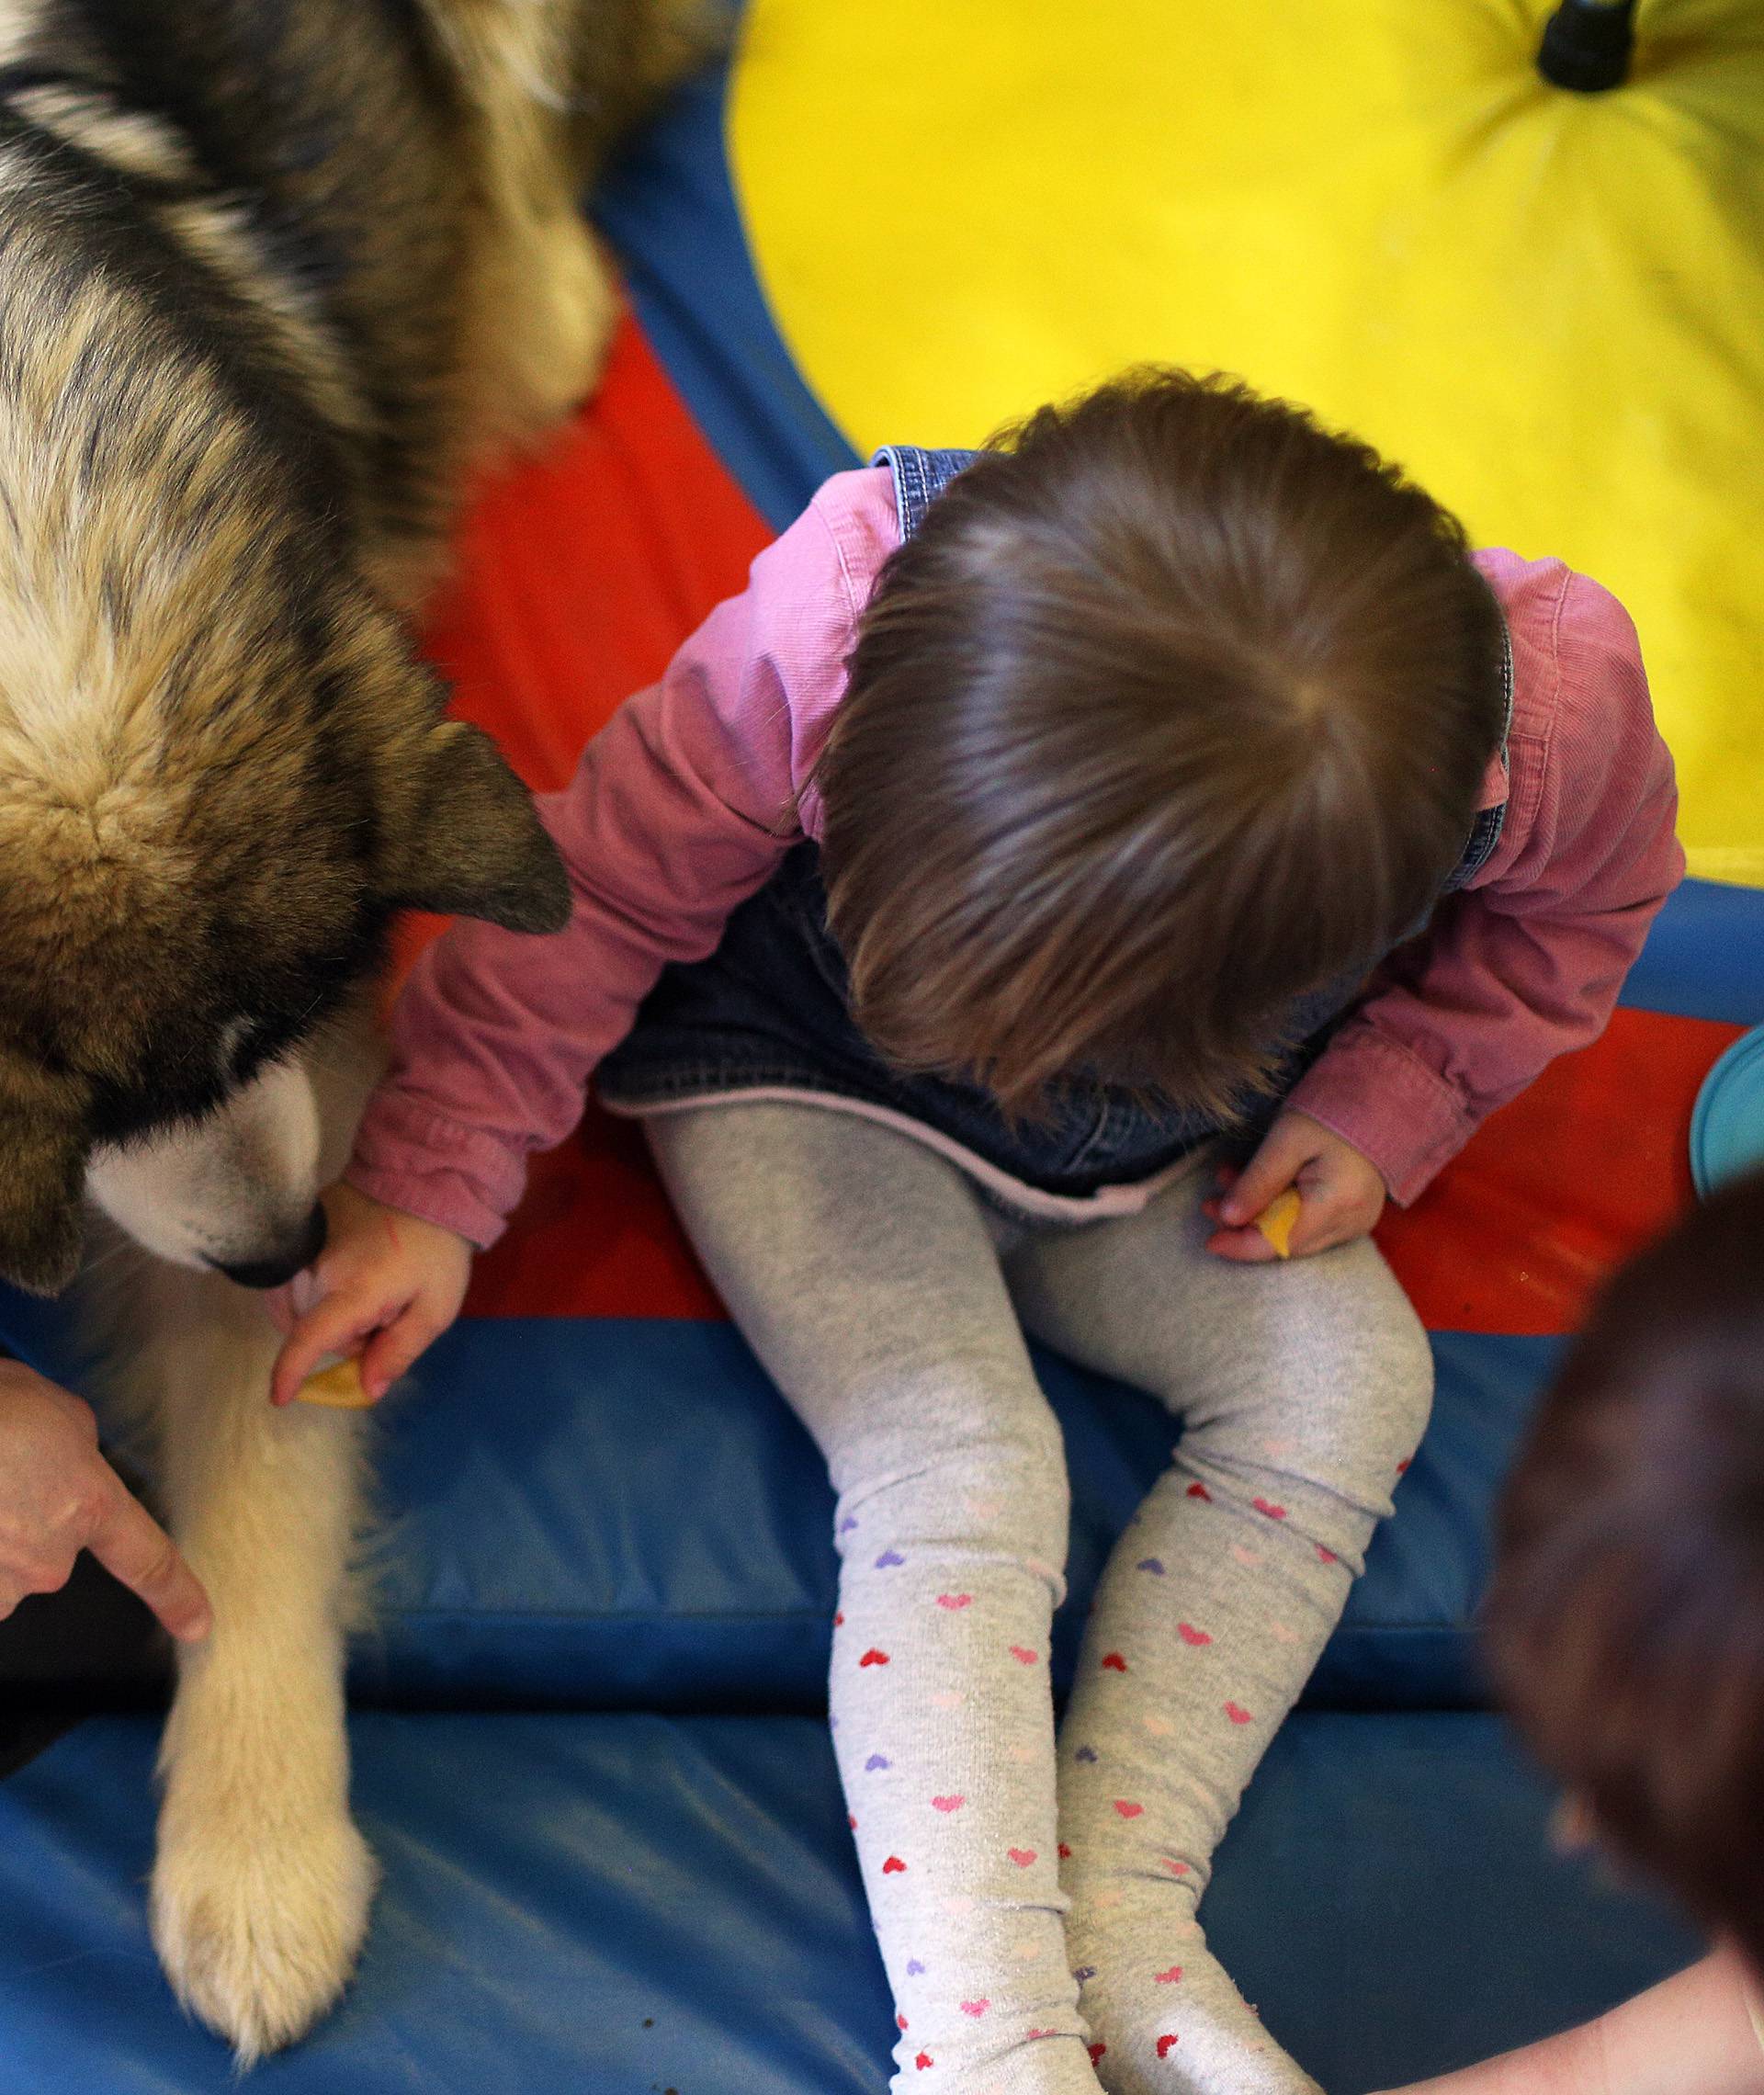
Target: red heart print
1268,1507
975,2007
1022,1655
893,1866
874,1658
1114,1661
1021,1857
1237,1713
948,1803
1200,1492
839,1620
1128,1810
1165,2047
1065,1852
1175,1868
1189,1635
923,2061
955,1600
1326,1556
1168,1977
1096,2052
901,2021
1402,1467
851,1819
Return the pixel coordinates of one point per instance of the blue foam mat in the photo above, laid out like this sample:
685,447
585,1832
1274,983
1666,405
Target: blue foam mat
622,1513
626,1905
1704,956
633,1518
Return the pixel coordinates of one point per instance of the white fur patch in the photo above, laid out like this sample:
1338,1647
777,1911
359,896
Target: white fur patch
232,1189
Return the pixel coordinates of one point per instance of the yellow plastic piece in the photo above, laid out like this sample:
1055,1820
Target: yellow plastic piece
1544,304
338,1387
1278,1220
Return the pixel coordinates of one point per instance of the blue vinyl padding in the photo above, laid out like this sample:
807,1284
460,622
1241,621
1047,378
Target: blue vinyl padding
623,1905
1704,956
622,1513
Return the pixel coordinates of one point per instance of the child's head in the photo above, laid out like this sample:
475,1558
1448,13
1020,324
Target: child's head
1172,709
1626,1623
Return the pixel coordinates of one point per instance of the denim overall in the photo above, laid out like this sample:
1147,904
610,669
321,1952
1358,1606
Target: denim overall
770,1009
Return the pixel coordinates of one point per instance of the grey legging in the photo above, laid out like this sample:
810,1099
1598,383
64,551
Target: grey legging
888,1303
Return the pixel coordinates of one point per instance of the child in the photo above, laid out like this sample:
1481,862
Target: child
1034,818
1627,1630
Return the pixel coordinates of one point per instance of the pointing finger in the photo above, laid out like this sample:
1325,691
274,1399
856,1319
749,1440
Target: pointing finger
130,1543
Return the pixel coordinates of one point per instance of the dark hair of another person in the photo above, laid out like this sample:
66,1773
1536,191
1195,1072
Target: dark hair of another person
1175,707
1626,1622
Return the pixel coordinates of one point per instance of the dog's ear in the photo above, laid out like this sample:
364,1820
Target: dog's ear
472,844
42,1171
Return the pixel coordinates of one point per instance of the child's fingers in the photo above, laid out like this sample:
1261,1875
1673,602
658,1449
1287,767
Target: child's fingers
396,1350
1328,1219
333,1327
279,1302
1313,1234
1241,1247
1285,1149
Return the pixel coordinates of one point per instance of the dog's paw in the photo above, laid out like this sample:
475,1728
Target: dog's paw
259,1928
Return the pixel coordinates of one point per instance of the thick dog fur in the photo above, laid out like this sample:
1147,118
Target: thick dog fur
273,273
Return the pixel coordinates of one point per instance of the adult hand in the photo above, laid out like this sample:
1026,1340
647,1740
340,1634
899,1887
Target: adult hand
1340,1194
58,1496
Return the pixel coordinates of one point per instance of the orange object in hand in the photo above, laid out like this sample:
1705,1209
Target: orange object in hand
1278,1220
337,1387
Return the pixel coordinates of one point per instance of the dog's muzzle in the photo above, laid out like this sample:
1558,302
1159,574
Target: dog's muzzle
277,1272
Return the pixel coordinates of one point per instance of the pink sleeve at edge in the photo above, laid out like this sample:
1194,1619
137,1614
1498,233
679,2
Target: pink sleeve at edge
680,808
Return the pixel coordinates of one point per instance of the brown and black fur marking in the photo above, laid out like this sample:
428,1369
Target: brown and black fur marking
273,275
258,318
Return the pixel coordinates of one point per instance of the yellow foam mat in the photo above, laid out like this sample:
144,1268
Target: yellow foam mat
1549,307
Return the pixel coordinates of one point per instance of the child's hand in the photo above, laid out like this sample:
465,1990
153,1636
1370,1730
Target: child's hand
384,1278
1340,1194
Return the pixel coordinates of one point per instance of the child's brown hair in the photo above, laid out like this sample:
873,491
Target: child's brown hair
1626,1621
1174,707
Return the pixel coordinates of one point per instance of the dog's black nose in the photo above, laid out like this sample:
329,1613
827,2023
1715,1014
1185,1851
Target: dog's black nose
277,1272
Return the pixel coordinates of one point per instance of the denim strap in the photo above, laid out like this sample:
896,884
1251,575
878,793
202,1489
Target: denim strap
919,477
1485,832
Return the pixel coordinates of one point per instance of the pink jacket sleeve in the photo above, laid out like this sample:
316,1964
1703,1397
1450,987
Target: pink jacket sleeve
680,808
1527,962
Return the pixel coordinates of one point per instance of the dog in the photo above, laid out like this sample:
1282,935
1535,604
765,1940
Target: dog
276,276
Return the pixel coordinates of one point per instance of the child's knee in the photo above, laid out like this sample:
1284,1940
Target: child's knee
1405,1382
1362,1393
980,1487
1332,1437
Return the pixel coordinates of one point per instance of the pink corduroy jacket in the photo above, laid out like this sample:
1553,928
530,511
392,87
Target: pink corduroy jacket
688,798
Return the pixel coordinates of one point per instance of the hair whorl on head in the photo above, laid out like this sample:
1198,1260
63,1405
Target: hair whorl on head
1174,707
